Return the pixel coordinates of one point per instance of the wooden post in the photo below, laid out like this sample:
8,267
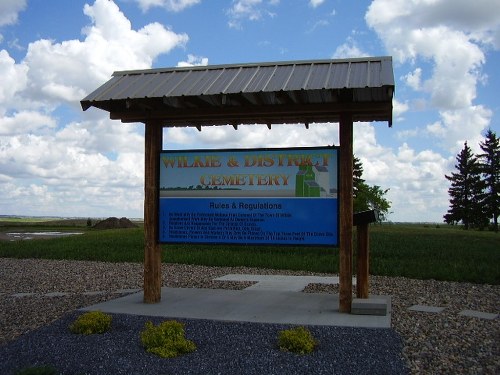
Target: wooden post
346,212
362,261
152,249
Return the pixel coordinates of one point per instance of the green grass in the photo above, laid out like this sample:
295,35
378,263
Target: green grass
443,253
114,245
415,251
26,220
291,258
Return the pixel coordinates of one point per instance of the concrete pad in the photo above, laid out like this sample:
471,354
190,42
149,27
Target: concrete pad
280,282
20,295
94,293
478,314
56,294
126,291
427,309
284,286
369,306
258,306
280,278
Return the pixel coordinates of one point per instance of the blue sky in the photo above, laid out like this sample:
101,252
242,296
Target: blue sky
57,160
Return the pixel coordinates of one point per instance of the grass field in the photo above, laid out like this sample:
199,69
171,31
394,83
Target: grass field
415,251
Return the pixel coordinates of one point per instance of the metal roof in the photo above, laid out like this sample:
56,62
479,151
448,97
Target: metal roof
275,92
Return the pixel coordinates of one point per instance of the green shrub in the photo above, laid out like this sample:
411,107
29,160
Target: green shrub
297,340
37,370
91,322
167,339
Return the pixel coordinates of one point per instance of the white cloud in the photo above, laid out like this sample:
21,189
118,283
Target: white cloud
417,190
193,60
170,5
443,43
9,10
56,69
450,130
450,35
317,25
14,79
25,122
316,3
254,136
71,175
87,167
398,109
102,136
464,14
406,134
346,51
252,10
414,79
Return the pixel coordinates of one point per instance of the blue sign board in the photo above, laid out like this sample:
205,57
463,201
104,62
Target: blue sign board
250,196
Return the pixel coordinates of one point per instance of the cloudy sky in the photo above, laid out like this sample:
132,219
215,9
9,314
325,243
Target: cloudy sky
57,160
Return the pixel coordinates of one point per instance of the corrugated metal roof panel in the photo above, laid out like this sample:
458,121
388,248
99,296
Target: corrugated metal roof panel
318,77
338,76
124,88
257,78
357,76
149,86
220,81
296,77
167,83
244,87
240,80
279,78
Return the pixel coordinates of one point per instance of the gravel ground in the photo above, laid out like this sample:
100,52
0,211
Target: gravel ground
222,348
32,327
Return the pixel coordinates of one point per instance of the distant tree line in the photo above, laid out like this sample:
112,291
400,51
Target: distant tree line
475,186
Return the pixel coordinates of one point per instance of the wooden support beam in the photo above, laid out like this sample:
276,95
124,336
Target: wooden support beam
362,220
152,249
279,113
346,212
362,261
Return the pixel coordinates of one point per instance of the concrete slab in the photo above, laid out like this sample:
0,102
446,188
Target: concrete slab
94,293
369,306
281,282
427,309
281,278
260,306
478,314
284,286
126,291
56,294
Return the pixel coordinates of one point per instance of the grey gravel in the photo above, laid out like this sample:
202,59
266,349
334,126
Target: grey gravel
33,328
446,342
222,348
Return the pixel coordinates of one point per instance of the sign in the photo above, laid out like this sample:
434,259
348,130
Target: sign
249,196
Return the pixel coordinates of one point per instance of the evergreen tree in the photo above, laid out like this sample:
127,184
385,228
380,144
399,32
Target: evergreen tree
490,168
357,172
466,191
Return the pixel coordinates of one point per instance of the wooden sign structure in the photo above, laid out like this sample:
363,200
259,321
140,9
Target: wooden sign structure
313,91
